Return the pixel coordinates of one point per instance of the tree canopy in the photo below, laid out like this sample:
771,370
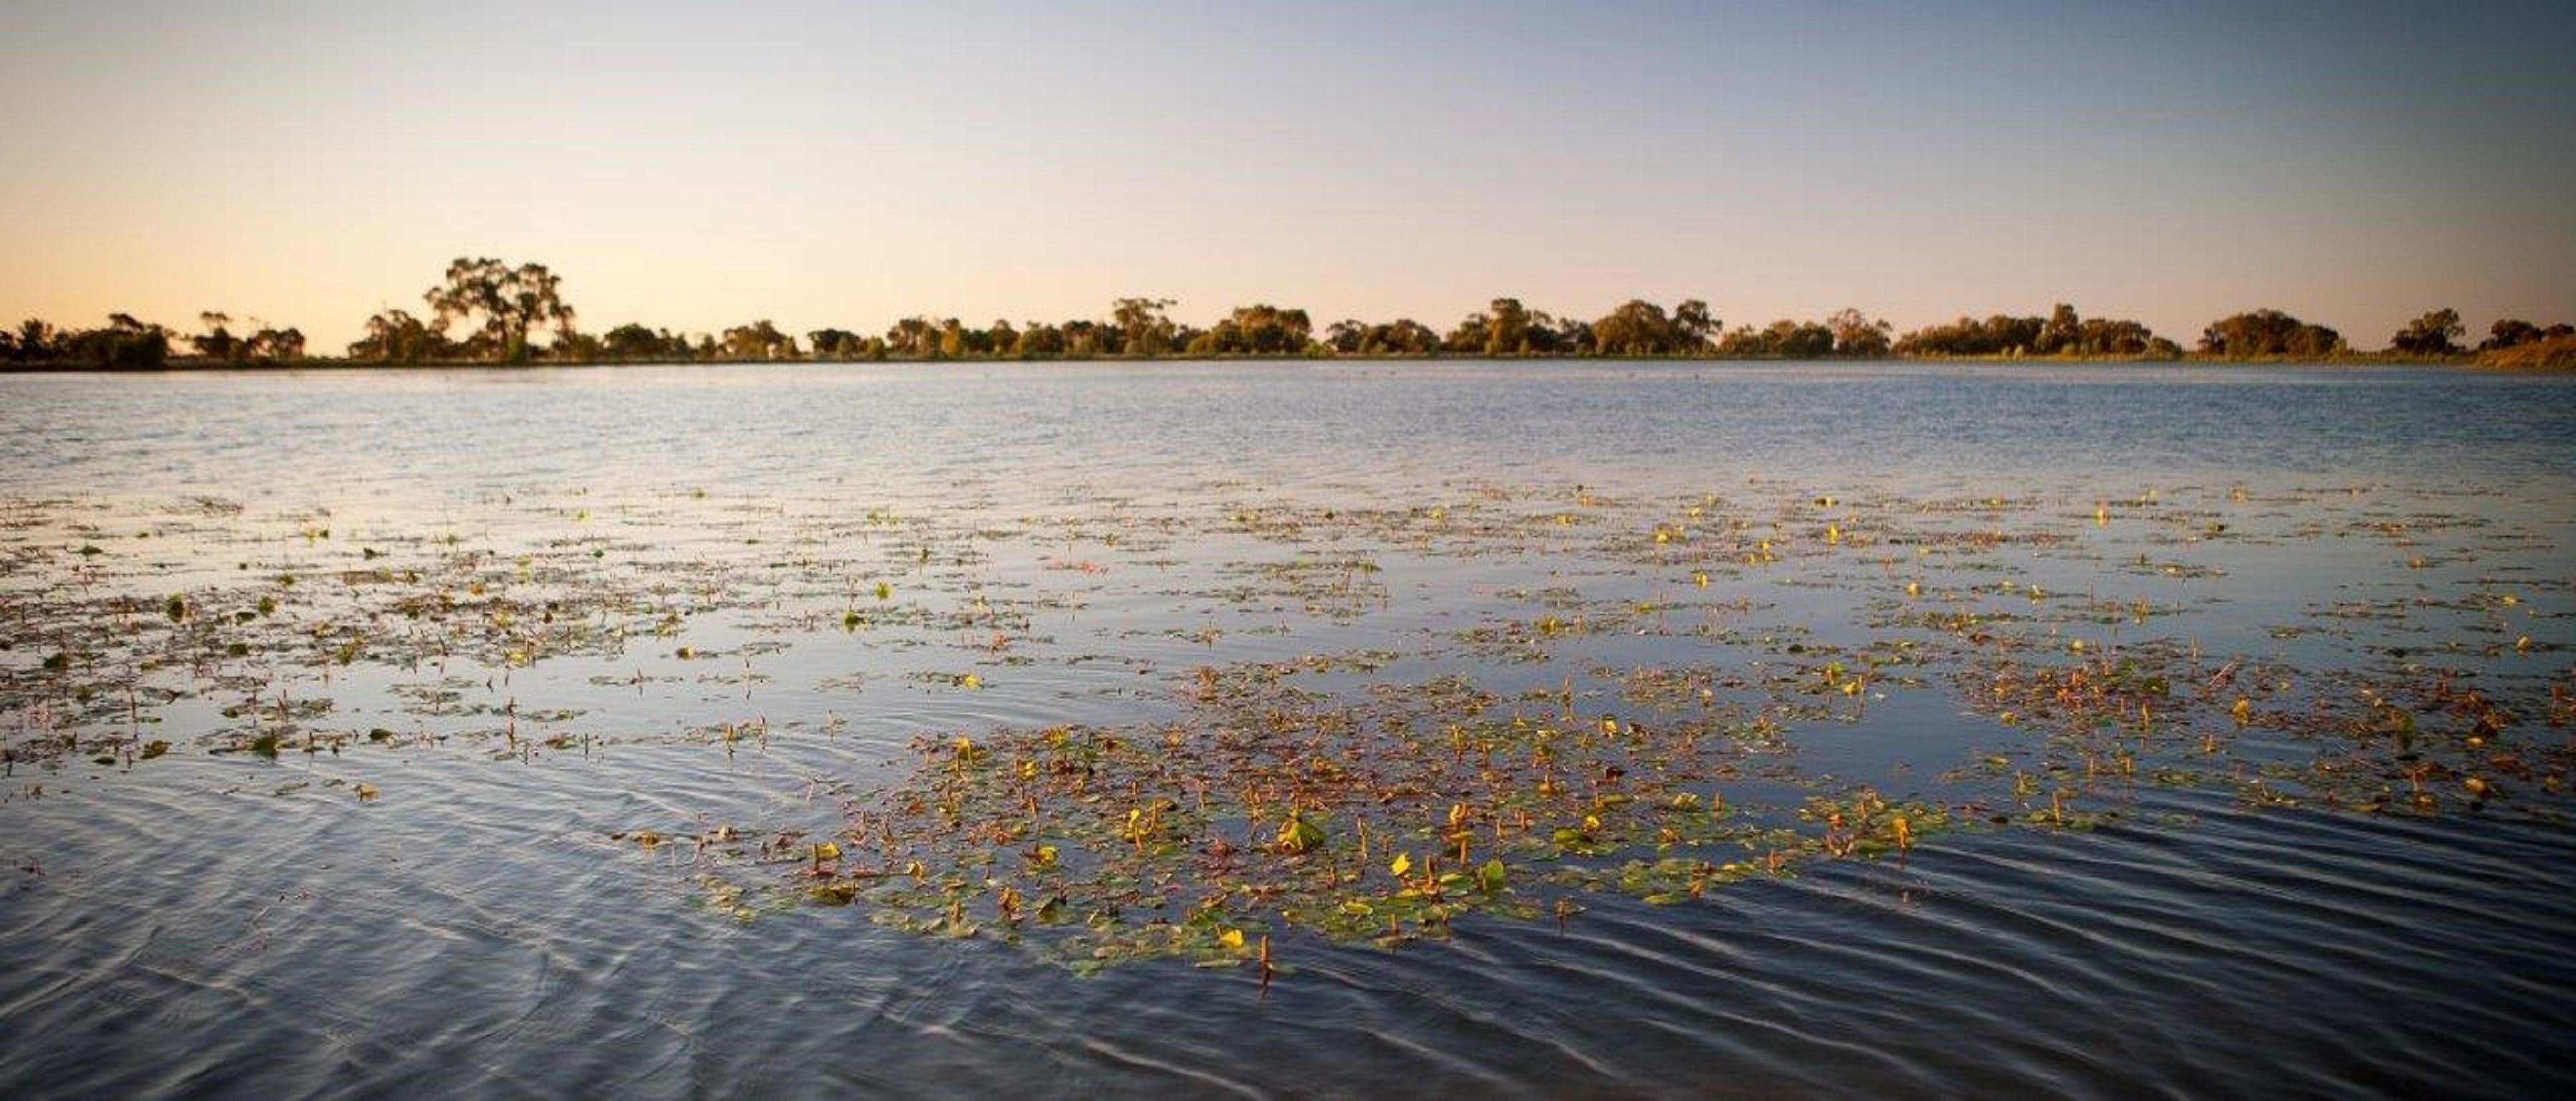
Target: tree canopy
2436,333
502,305
2268,334
510,301
123,343
2061,333
2514,332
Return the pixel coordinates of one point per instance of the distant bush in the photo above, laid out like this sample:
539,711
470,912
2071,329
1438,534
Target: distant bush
2062,333
2557,352
2268,334
124,344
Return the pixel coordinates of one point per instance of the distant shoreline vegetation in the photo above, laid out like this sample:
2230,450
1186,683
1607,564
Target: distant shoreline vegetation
485,312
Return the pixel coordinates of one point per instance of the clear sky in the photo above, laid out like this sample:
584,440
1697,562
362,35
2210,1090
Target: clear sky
699,164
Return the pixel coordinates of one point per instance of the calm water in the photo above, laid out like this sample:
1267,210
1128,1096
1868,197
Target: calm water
704,547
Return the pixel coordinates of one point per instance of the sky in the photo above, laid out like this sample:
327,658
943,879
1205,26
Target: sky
696,165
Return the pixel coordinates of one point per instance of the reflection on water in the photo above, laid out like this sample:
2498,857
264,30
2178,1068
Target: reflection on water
426,652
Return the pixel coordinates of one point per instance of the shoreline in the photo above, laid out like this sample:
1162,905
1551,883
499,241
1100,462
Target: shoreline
344,364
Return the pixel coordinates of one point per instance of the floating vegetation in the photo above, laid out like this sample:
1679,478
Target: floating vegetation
1205,728
1265,805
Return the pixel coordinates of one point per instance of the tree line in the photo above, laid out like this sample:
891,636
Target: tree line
487,311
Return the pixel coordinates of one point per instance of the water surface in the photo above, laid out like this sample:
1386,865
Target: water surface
534,615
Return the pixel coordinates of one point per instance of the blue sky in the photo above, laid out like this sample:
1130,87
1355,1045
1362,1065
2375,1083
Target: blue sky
699,165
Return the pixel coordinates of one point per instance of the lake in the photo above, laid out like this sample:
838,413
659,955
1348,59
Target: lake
1286,728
